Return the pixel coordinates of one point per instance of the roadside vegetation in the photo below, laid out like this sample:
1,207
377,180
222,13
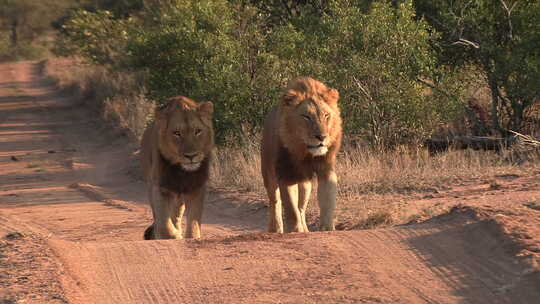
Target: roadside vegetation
407,71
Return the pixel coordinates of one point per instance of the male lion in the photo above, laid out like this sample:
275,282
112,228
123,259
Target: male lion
301,138
175,157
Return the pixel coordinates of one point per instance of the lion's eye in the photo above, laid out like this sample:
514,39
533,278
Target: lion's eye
198,132
177,133
306,117
326,115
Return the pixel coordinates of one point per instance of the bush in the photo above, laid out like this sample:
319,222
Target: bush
210,50
24,50
234,54
502,39
97,36
377,61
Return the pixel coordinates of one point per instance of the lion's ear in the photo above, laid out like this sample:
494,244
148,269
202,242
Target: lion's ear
331,97
290,98
206,108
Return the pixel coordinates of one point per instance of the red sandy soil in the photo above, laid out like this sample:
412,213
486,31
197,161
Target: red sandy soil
72,214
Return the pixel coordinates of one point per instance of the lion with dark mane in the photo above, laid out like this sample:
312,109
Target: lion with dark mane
175,157
301,138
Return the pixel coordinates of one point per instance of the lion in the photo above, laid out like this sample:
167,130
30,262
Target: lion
175,155
301,138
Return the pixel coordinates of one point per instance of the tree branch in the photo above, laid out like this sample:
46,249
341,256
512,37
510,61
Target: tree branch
508,15
286,5
467,42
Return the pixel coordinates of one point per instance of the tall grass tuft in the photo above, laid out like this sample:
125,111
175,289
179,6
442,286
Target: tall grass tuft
118,96
239,166
365,174
364,171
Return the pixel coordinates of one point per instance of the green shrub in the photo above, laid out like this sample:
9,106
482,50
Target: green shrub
97,36
501,38
23,50
377,61
210,50
236,55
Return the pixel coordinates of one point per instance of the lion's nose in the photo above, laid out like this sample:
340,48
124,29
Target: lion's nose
190,156
320,137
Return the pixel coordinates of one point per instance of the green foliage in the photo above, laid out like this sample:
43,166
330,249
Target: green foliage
22,22
238,55
119,8
376,60
22,51
98,37
210,50
391,53
281,11
503,39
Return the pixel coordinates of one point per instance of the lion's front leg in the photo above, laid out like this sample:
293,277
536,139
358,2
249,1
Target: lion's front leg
275,217
289,197
177,213
304,193
194,204
327,192
163,205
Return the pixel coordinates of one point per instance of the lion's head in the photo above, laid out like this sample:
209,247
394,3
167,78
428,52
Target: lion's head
186,135
310,118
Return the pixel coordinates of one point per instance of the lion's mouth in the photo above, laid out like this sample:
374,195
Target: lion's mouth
315,147
191,166
317,150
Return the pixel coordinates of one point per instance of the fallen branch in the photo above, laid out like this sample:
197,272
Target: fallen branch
526,139
519,141
466,142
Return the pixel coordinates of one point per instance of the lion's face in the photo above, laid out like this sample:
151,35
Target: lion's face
314,119
186,133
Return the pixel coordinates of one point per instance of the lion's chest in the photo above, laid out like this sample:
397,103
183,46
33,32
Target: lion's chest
294,171
178,180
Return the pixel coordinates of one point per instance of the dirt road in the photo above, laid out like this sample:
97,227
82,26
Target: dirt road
72,214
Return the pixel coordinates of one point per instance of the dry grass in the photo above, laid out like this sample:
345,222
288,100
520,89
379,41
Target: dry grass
239,168
119,97
414,170
374,186
364,171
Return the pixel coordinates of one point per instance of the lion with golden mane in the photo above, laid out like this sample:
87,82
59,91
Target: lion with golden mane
301,138
175,157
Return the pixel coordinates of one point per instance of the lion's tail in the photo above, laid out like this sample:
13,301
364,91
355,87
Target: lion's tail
149,233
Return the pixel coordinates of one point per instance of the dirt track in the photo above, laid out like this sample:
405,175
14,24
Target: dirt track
72,217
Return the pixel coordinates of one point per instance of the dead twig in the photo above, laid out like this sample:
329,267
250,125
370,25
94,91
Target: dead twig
526,139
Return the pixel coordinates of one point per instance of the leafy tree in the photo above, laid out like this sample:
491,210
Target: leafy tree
233,53
281,11
502,38
376,59
119,8
97,36
209,50
25,20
